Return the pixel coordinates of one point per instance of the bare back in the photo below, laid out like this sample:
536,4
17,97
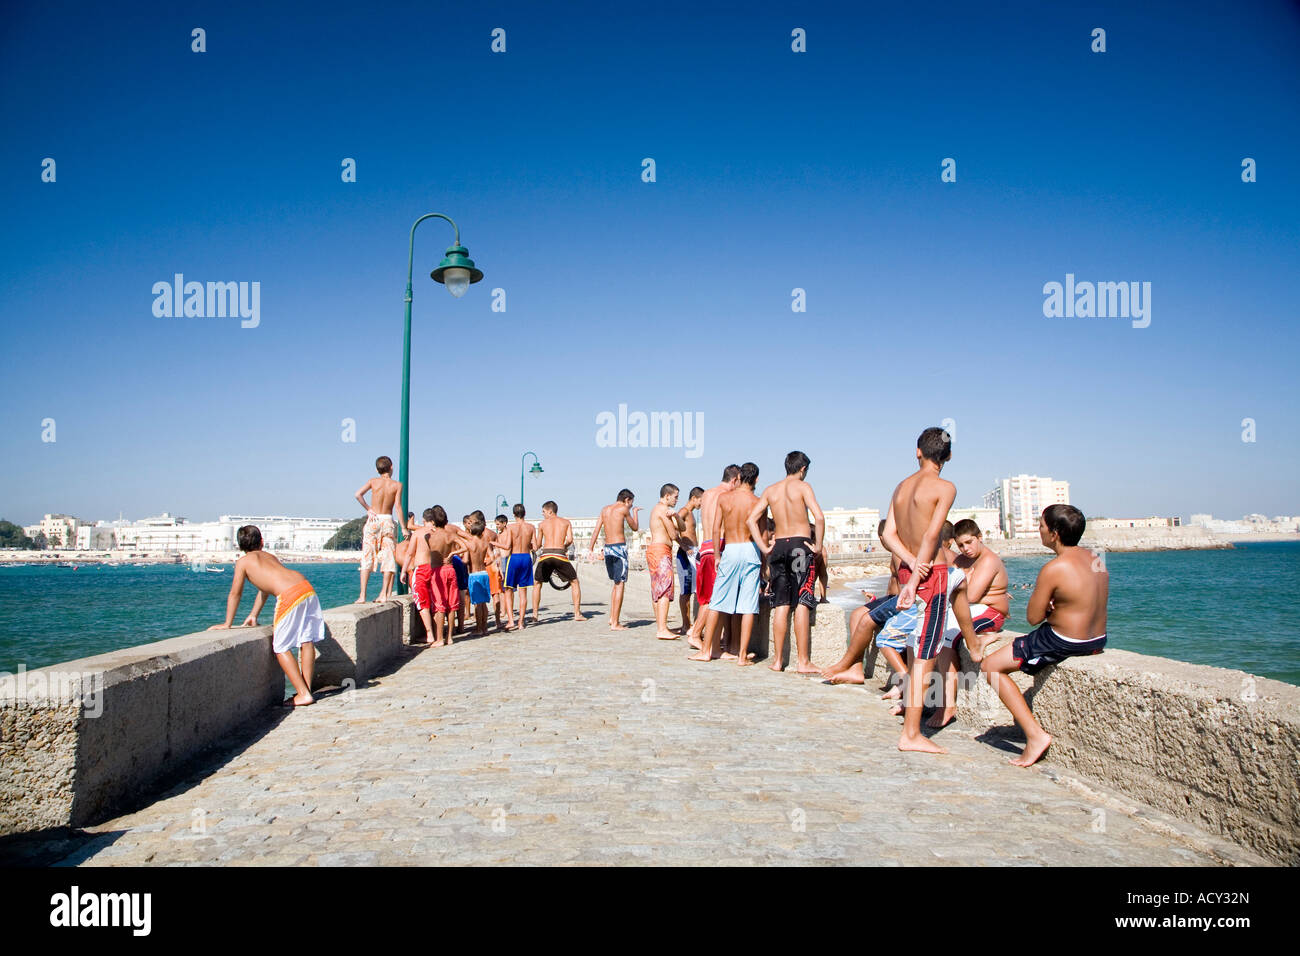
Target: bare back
1072,589
266,573
612,518
477,550
733,508
913,508
383,494
554,532
686,527
521,537
709,507
790,500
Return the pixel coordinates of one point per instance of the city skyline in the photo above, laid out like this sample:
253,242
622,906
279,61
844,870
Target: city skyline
782,179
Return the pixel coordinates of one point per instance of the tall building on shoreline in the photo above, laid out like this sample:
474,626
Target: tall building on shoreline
1020,500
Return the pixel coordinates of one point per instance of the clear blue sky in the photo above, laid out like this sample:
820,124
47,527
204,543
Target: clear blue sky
775,170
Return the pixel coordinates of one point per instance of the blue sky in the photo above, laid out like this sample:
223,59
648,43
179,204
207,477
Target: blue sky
775,170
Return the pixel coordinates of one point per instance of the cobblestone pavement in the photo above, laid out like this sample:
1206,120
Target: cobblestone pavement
572,744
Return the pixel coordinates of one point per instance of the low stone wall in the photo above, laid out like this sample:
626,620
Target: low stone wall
80,739
1217,747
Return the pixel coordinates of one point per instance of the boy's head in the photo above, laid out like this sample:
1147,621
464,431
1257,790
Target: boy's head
946,534
749,474
967,537
935,444
476,526
439,516
668,493
501,521
550,509
478,513
518,511
1063,522
465,519
428,515
250,538
796,462
626,496
880,529
384,465
731,475
696,496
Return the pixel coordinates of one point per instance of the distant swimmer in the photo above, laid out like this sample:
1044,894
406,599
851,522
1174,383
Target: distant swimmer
379,537
659,557
1068,613
611,522
792,556
298,621
553,565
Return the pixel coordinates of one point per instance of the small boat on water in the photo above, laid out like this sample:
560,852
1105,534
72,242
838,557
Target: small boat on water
215,570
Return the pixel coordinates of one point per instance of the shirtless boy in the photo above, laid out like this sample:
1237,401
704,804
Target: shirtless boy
792,556
706,567
863,630
687,548
612,518
379,538
478,556
553,564
519,567
497,538
659,557
298,622
431,575
736,589
1068,613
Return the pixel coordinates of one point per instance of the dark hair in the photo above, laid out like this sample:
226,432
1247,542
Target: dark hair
667,489
518,511
439,516
555,509
730,472
478,513
465,518
696,492
935,445
946,534
428,514
476,527
410,515
880,529
502,518
384,465
749,474
625,495
966,526
796,460
250,539
1066,521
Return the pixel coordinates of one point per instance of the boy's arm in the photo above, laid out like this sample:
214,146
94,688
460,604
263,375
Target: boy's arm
894,544
236,592
595,535
568,534
980,579
398,515
717,530
1040,602
819,519
929,546
360,496
751,522
259,602
961,611
632,521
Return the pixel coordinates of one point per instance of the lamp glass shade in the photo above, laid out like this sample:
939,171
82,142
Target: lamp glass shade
456,280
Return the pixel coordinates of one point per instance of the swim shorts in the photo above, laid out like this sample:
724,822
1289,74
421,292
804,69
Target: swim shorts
685,572
378,539
480,588
706,573
793,568
1043,647
554,568
462,573
934,593
659,562
739,573
298,619
616,562
519,572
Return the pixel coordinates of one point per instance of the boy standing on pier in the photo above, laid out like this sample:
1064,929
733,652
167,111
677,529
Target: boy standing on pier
706,566
659,557
612,519
739,568
298,621
379,537
1069,608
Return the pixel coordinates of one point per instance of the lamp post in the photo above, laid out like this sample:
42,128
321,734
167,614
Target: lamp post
500,504
456,271
535,470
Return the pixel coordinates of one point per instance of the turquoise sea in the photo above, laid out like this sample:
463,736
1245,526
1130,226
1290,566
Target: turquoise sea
1224,608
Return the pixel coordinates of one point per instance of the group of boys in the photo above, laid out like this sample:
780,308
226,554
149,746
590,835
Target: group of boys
938,597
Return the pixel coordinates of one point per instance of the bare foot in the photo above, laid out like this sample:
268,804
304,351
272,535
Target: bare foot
745,663
843,677
896,710
894,693
806,669
776,665
700,657
618,627
359,600
580,617
727,656
297,700
919,744
667,635
1033,751
941,718
695,642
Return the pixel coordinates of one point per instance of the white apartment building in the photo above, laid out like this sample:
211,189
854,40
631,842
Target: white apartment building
1020,500
850,530
285,533
60,530
100,536
988,519
1108,524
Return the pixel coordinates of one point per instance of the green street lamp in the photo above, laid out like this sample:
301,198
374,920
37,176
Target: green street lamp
500,505
535,470
456,271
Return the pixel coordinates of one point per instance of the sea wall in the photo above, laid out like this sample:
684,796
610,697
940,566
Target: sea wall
1217,747
81,739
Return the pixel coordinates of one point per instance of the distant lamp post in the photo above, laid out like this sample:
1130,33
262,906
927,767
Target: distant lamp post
535,470
500,505
456,271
